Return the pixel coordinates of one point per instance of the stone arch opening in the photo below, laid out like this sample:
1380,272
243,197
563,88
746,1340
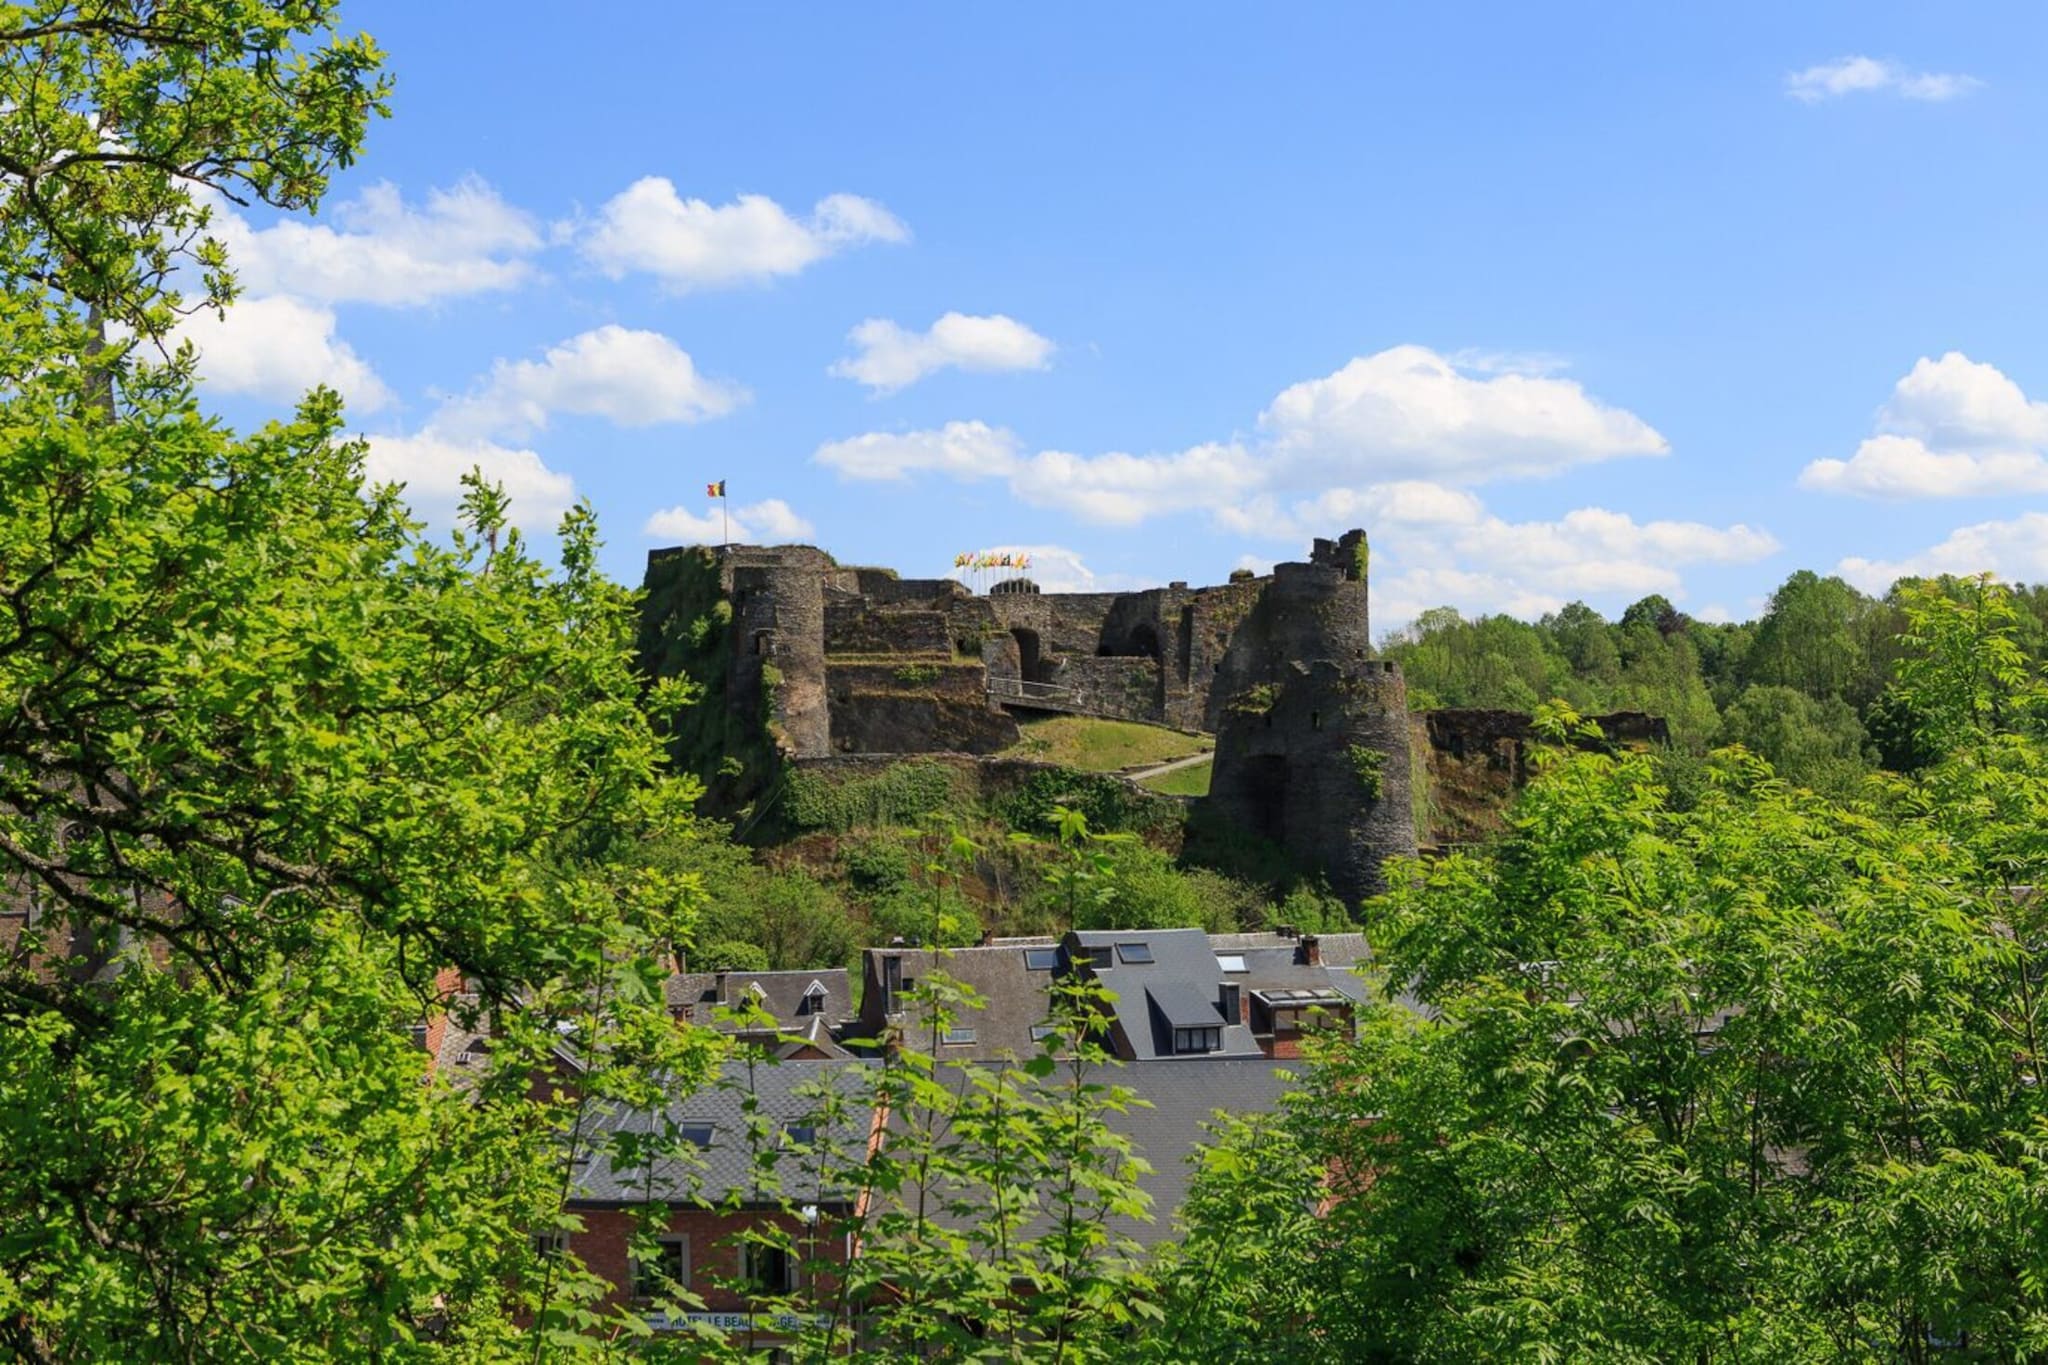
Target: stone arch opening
1262,789
1030,663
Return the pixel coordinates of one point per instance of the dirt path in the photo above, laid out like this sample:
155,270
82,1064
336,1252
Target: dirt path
1158,769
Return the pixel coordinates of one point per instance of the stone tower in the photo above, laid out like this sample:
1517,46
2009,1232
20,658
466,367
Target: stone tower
1312,747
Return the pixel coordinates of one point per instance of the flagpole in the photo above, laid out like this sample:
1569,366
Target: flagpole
725,513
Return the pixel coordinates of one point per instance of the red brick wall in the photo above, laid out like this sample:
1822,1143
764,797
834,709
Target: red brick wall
603,1247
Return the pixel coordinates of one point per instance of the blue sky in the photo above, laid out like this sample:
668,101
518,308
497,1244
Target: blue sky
1561,301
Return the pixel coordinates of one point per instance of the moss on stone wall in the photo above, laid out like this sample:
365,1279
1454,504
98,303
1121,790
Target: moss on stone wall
685,623
901,794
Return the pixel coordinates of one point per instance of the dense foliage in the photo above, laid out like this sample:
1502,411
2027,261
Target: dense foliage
1758,1078
1806,685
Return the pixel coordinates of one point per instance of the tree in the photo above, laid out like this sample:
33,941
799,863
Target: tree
1754,1079
1817,744
275,770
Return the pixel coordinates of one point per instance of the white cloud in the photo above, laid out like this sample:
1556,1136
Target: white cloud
1428,551
465,240
1407,412
893,358
2016,549
431,468
1953,427
1870,76
761,523
276,349
965,450
1123,490
692,244
632,378
1404,418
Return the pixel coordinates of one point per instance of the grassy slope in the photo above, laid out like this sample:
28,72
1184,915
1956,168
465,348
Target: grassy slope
1102,746
1192,780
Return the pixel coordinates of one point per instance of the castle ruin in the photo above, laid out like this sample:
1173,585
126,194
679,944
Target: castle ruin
1312,731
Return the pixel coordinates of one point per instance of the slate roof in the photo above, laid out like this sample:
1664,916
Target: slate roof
726,1164
696,996
1015,997
1182,969
1181,1096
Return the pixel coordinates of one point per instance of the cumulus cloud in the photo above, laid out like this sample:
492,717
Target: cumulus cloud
762,523
1953,427
632,378
891,357
1485,562
1871,76
431,468
2015,549
381,250
1408,412
692,244
964,450
276,349
1401,416
1123,490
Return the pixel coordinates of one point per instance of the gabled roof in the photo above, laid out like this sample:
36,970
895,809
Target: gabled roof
726,1163
1175,968
697,996
1015,996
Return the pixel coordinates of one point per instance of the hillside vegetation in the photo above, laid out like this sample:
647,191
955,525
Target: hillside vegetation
1808,684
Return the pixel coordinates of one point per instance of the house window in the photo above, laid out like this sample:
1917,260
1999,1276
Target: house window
665,1272
959,1037
1041,1032
548,1244
1134,952
767,1269
1101,957
800,1134
1231,962
1197,1039
892,983
1041,959
814,999
696,1134
1227,1002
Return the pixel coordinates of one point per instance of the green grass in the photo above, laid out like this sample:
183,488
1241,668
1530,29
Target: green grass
1192,780
1104,746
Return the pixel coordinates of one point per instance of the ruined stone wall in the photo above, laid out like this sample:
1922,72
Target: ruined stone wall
853,627
914,707
1476,760
1318,762
1122,688
1065,623
778,643
1312,747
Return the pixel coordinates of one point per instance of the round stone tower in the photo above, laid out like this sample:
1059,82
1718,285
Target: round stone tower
778,643
1312,747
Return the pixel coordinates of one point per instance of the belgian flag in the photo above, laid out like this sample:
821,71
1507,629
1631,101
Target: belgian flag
715,490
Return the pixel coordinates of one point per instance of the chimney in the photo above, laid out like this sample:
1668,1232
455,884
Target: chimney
1311,950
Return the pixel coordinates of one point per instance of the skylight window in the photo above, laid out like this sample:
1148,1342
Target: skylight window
1231,962
696,1134
1041,959
1134,952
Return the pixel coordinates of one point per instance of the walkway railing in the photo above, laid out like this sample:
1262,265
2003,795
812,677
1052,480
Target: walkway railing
1030,693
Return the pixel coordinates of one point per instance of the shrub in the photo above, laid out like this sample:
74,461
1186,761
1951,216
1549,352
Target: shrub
1368,764
899,794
